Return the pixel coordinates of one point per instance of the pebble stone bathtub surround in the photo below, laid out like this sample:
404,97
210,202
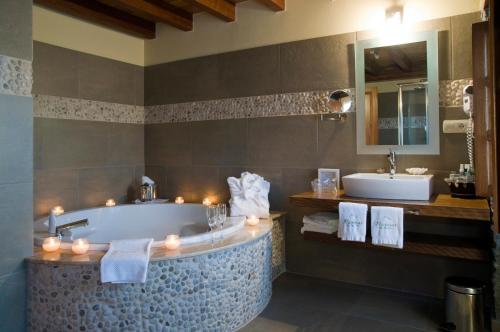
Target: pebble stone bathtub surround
16,76
215,291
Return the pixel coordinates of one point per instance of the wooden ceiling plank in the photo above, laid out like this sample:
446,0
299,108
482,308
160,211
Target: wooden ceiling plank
102,15
276,5
220,8
154,11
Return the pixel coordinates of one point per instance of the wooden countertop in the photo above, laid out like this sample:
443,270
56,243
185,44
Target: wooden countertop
442,205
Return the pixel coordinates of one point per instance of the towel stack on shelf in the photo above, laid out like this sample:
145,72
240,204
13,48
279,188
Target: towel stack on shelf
321,222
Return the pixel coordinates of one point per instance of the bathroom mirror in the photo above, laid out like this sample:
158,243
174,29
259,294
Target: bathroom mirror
399,82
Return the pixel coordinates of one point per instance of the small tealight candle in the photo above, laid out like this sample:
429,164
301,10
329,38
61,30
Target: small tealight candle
57,210
179,200
80,246
252,221
172,242
110,202
51,244
207,201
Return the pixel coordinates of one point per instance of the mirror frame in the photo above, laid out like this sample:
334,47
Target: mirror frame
432,148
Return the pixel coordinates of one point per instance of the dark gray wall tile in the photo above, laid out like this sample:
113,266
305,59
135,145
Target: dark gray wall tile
16,28
182,81
55,70
12,302
125,144
461,34
250,72
194,183
16,224
71,143
282,141
78,144
320,63
54,187
139,85
219,143
168,144
105,80
96,185
16,139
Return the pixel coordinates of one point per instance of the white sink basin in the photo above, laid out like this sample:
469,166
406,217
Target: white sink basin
401,186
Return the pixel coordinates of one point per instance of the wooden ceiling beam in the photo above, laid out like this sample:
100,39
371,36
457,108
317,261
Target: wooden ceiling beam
220,8
102,15
156,11
276,5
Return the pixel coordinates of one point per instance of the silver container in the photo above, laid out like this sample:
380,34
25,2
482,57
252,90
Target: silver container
464,305
147,192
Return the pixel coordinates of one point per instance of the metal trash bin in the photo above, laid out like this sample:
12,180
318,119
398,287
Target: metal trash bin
464,305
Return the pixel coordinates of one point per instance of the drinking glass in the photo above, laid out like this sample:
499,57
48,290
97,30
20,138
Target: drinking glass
221,214
212,218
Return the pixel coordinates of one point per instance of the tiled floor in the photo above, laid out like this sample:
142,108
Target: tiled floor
307,304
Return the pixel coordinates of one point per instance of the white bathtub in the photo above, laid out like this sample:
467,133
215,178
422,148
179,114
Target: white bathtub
139,221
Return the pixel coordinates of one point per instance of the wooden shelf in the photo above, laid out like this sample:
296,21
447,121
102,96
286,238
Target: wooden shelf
439,206
425,244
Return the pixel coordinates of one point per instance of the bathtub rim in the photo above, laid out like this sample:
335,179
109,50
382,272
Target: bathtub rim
244,236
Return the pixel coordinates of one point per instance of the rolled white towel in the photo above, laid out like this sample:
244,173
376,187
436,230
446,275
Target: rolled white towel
321,218
147,180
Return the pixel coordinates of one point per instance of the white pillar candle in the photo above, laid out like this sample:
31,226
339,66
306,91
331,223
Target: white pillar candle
253,221
179,200
207,201
57,210
172,242
80,246
110,202
51,244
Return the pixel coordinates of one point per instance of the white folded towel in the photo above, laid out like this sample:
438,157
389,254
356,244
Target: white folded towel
318,229
126,261
352,221
387,226
322,219
249,195
147,180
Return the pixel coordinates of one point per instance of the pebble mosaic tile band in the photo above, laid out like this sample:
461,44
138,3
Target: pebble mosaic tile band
81,109
451,92
285,104
16,76
214,291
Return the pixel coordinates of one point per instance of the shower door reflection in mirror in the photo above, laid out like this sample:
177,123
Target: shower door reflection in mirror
397,80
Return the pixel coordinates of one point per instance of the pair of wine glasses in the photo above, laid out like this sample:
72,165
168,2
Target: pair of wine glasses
216,216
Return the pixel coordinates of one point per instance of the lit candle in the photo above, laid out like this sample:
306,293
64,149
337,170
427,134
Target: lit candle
80,246
179,200
207,201
253,221
57,210
110,202
51,244
172,242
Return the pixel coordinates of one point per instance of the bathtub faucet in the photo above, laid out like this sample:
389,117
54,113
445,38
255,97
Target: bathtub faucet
75,224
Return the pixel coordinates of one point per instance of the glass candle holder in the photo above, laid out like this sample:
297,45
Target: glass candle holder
179,200
80,246
252,221
172,242
110,202
51,244
207,201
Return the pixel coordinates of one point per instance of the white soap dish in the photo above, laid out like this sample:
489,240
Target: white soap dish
416,171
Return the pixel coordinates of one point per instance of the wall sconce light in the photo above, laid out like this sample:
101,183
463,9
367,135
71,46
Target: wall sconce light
394,15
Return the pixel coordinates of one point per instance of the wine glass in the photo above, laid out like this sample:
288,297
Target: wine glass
212,218
221,216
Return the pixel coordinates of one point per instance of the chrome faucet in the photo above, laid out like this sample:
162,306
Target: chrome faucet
392,162
58,230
